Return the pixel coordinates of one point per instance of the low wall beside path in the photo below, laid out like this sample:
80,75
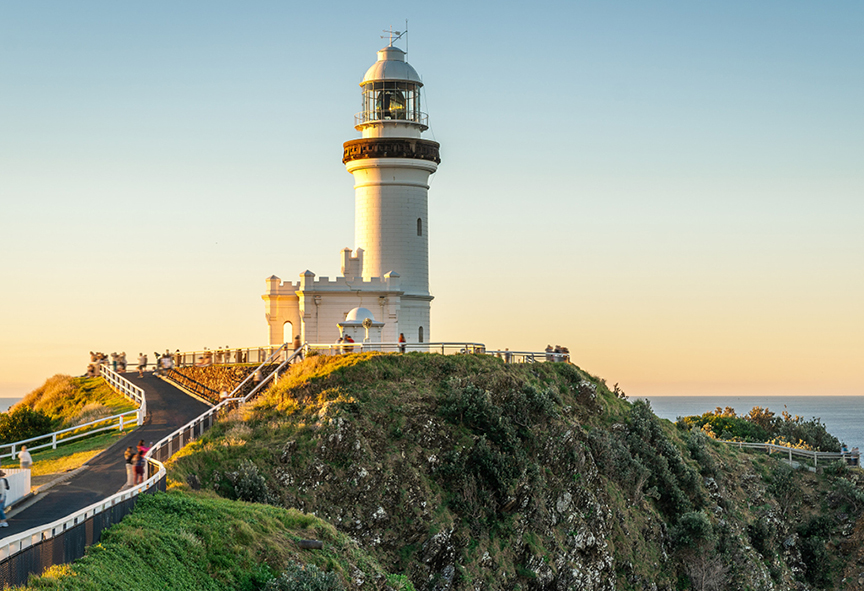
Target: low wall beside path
208,382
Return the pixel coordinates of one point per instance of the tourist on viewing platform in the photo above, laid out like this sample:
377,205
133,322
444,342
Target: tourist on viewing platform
129,456
178,358
402,342
24,458
340,348
142,449
4,486
565,354
114,361
549,357
142,364
348,339
121,362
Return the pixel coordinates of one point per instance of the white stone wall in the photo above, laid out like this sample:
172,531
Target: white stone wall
391,194
316,319
414,314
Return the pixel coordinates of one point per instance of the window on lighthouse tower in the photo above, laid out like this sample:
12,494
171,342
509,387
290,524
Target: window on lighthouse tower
419,226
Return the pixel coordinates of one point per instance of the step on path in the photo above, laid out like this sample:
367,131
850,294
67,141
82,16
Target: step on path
168,409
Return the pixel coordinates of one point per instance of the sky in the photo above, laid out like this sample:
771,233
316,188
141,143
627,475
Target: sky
671,189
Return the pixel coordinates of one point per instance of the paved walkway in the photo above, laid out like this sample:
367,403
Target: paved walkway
167,409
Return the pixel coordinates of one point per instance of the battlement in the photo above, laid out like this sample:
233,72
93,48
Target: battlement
308,282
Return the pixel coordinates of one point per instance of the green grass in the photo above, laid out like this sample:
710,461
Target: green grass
75,454
194,541
73,401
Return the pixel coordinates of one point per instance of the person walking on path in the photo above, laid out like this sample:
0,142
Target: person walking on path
4,486
129,456
142,364
297,346
401,342
24,458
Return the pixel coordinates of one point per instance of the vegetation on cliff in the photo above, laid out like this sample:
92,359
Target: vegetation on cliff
461,472
762,425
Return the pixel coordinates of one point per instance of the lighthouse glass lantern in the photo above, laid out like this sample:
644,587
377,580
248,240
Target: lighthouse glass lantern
391,100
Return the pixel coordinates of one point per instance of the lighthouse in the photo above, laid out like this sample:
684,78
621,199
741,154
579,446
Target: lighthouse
391,164
385,277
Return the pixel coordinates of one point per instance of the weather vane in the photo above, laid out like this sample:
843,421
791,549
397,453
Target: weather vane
391,32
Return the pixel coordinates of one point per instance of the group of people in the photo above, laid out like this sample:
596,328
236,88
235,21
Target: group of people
135,463
558,353
164,362
345,344
98,359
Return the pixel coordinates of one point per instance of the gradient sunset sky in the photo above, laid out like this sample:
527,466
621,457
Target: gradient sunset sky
673,190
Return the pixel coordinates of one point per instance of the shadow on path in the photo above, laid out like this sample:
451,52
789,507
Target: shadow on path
167,410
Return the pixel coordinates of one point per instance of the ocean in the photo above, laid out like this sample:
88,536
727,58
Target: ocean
843,416
5,403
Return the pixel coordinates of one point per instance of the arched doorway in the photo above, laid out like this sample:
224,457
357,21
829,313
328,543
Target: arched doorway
287,332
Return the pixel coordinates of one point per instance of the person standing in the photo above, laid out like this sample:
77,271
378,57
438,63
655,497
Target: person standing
142,364
24,458
402,342
139,467
4,486
297,347
129,456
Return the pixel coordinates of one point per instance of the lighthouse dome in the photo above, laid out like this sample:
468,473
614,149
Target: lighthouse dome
359,315
391,65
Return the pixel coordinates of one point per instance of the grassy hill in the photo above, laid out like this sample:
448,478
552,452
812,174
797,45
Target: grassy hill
461,472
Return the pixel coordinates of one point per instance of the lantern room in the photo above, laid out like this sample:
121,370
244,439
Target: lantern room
391,98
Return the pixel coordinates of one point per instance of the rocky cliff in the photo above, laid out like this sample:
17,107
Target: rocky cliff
465,473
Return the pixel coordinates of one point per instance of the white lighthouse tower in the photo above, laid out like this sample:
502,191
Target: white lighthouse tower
391,165
385,279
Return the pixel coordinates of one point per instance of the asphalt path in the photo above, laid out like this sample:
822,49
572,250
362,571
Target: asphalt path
168,409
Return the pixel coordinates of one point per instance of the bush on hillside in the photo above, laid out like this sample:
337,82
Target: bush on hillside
23,422
677,484
761,425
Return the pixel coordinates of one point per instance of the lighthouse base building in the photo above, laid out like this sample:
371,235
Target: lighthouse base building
385,279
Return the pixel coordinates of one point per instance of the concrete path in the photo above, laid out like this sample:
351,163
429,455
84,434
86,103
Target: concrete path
168,409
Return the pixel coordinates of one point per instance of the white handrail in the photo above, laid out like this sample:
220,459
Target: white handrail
16,543
120,385
809,453
452,348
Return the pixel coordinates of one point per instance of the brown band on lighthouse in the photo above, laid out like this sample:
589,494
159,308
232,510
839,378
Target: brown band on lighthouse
391,148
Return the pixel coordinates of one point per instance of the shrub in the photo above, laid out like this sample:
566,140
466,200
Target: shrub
247,484
307,577
845,493
614,460
694,533
677,484
762,537
697,445
23,422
